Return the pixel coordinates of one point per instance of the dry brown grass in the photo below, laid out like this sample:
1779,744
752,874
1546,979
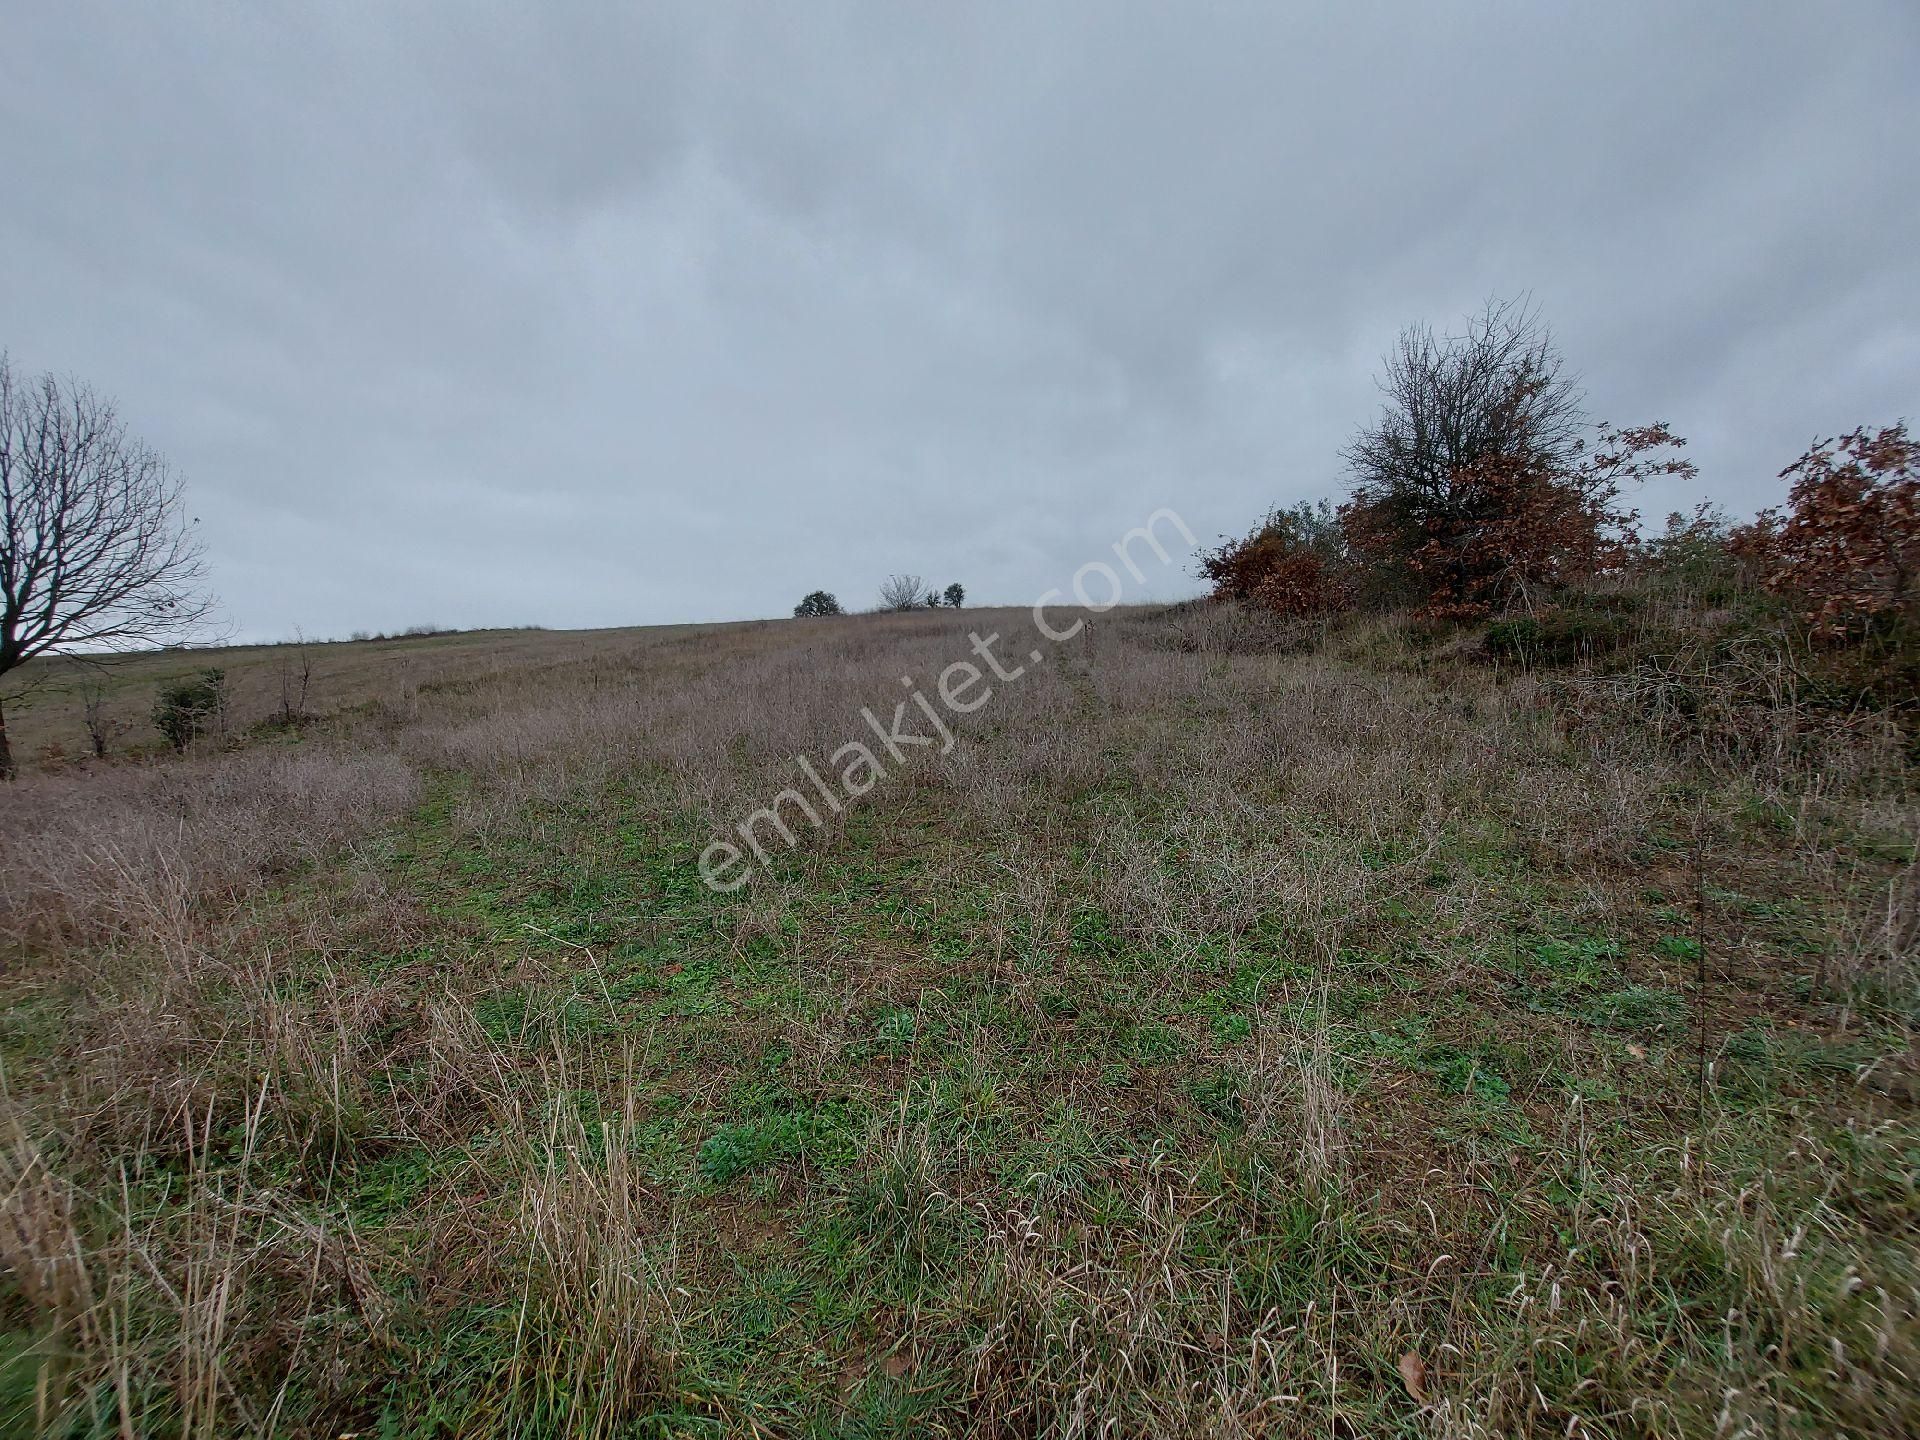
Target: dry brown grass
1125,1071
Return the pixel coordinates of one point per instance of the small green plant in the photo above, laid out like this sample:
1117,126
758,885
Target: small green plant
1557,637
821,1132
732,1150
189,708
1231,1028
1154,1043
894,1035
1464,1072
1219,1097
1637,1009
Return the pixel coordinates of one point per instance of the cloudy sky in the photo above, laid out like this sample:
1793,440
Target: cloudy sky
496,315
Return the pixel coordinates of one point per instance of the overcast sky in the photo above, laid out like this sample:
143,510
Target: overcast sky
497,315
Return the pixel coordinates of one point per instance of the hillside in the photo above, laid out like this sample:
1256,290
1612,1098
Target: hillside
1241,1030
48,723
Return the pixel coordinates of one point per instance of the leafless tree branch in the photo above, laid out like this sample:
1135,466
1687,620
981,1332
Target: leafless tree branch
902,592
1500,389
94,553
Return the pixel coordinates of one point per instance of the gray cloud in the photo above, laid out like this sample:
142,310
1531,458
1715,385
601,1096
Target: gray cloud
532,314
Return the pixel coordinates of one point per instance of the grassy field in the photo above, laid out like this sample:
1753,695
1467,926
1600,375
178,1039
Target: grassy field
1236,1033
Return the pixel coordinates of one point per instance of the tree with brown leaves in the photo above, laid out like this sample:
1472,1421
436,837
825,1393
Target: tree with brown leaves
1477,485
1516,524
1497,392
1848,546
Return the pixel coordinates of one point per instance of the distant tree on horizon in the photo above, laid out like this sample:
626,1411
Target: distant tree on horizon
902,592
956,595
94,552
817,602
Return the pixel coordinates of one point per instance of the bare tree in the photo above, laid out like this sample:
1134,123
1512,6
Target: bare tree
102,727
296,677
1499,390
93,551
902,592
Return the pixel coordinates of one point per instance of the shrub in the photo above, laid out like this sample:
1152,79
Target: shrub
902,592
1558,636
187,708
101,726
1293,563
817,602
1848,547
1692,555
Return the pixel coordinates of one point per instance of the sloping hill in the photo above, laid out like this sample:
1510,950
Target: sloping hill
1230,1033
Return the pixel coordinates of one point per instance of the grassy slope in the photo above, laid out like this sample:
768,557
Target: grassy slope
48,726
1215,1042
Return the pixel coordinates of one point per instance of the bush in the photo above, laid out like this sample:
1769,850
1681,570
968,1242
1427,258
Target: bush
1293,563
902,592
1557,637
818,602
186,709
1692,557
1847,550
